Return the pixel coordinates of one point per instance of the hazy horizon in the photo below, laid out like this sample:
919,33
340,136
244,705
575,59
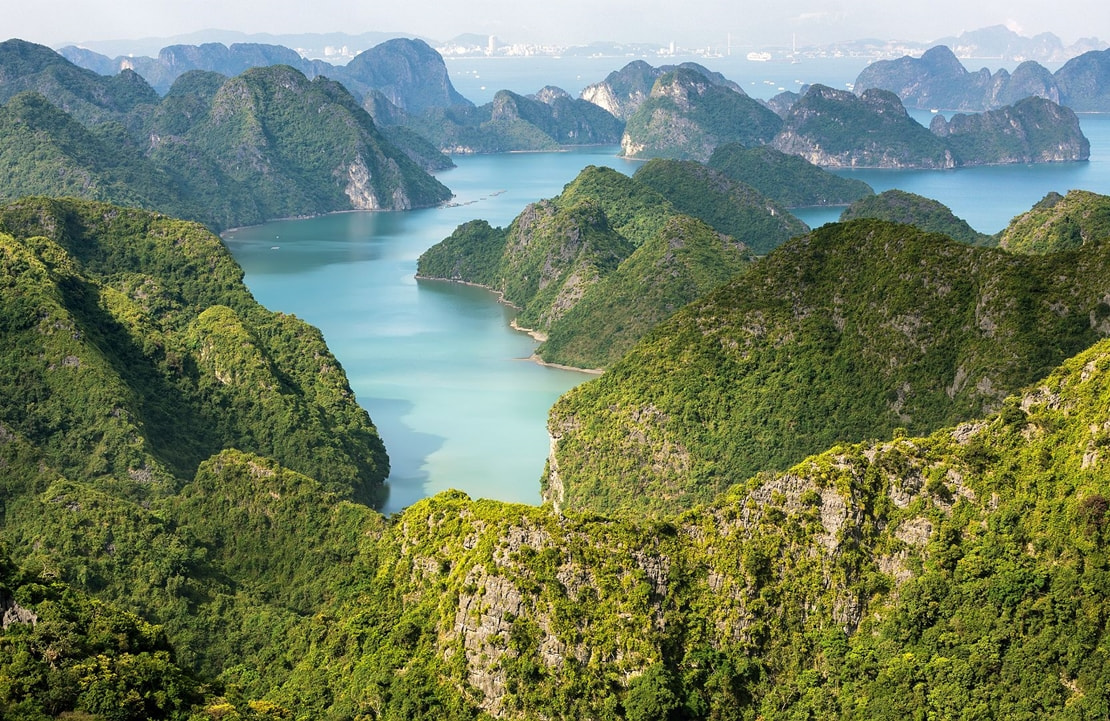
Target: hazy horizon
692,24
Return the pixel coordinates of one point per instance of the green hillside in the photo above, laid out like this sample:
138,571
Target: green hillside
960,572
731,206
684,260
873,581
595,268
266,144
90,98
1059,222
134,351
850,332
787,179
898,206
45,151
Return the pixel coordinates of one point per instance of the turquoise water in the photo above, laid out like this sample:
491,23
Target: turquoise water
443,376
989,197
436,364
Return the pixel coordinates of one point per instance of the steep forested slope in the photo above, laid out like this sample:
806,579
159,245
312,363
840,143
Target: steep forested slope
848,333
787,179
595,268
134,351
960,572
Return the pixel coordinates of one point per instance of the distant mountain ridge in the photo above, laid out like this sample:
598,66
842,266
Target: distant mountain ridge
996,41
546,120
406,70
404,84
999,41
939,80
267,143
688,114
836,128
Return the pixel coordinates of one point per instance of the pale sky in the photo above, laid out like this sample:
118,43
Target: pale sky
688,22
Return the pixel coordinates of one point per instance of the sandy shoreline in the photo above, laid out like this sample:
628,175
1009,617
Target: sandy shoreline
540,361
536,335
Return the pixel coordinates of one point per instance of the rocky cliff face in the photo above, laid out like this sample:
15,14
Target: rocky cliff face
688,115
834,128
528,599
407,71
1034,130
624,91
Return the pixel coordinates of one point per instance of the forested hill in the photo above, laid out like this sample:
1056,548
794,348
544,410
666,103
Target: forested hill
187,485
133,352
898,206
225,151
143,395
88,97
598,266
850,332
1059,222
873,581
787,179
160,559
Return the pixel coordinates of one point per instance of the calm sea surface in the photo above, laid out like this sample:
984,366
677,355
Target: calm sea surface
436,365
444,377
989,197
